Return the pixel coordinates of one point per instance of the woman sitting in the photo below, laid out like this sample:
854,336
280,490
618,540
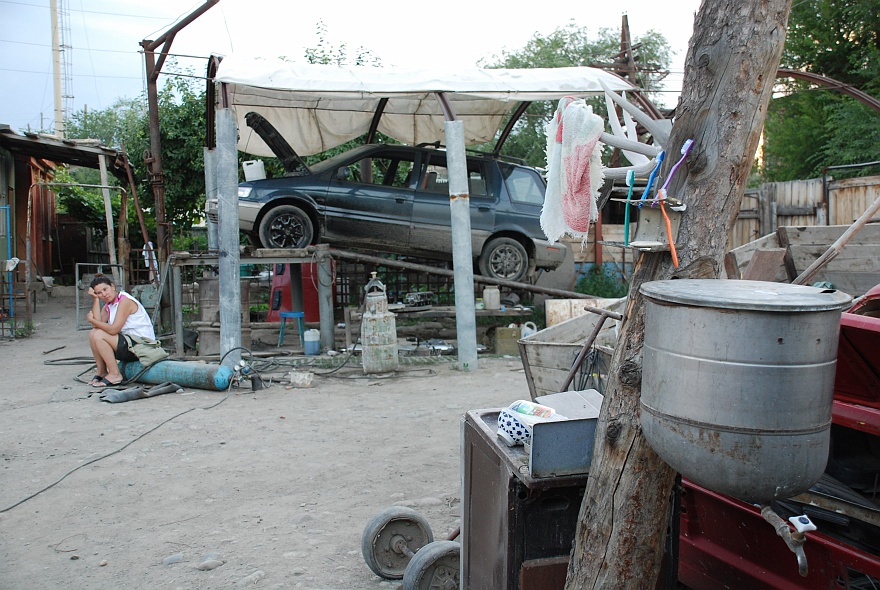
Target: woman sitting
121,315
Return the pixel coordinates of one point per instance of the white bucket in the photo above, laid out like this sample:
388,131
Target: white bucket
492,298
312,342
254,170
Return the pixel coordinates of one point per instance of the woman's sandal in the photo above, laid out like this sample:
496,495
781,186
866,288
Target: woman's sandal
104,382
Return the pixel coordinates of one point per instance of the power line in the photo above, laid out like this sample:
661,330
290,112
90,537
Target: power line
45,73
89,11
72,48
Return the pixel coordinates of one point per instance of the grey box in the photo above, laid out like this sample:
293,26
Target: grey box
565,447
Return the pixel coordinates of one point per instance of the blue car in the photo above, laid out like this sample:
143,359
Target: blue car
395,199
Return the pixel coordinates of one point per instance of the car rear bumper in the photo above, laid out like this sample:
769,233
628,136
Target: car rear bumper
549,256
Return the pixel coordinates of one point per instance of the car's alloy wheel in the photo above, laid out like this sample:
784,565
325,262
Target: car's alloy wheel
286,226
504,258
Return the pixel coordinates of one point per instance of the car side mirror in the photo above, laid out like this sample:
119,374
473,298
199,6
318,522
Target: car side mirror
343,173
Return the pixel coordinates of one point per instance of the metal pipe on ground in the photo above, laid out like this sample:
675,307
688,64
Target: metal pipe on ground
197,375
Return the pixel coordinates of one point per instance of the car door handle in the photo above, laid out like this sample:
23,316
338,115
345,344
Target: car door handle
484,208
400,199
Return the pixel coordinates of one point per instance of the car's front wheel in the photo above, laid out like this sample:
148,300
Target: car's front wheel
286,226
504,258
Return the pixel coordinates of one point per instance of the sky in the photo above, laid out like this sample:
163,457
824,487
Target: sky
102,39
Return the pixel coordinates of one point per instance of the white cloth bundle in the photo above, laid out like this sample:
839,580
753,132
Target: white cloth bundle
574,170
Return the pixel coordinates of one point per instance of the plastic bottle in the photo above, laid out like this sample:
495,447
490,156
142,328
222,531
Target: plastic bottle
312,342
528,329
492,297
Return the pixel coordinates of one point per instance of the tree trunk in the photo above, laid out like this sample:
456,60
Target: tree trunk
729,73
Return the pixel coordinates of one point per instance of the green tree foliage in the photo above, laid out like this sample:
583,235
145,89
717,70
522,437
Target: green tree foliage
572,46
84,204
182,132
325,53
112,126
810,128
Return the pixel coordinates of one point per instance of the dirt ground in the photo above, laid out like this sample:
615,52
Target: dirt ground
276,484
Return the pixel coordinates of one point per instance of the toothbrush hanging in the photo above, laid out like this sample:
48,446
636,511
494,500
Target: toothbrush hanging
662,198
685,149
651,177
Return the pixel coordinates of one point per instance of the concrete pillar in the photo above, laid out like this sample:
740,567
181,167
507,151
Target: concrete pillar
462,252
227,237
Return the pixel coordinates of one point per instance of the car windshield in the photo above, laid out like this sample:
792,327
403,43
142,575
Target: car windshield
330,163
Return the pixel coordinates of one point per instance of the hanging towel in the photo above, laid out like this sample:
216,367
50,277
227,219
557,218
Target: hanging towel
574,170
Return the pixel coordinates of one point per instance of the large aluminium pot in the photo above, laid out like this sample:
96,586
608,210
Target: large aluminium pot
737,382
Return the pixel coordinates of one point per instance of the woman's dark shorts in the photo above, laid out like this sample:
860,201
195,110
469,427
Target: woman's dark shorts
122,351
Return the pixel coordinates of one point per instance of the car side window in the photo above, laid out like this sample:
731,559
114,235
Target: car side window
395,171
524,186
436,178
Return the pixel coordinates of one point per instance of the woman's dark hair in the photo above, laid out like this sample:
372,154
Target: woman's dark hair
101,280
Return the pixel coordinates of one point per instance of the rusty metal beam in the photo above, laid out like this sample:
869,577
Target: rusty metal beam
374,124
833,84
153,157
509,127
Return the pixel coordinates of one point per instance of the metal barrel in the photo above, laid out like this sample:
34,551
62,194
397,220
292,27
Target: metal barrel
737,382
196,375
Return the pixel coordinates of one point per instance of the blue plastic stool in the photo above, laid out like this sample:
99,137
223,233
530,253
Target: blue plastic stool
301,325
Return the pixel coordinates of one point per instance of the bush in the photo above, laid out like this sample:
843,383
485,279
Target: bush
602,282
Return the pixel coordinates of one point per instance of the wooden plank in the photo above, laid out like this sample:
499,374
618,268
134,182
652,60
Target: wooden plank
859,258
556,311
543,574
765,265
549,381
552,355
743,254
783,237
793,210
730,266
575,329
857,181
822,234
828,234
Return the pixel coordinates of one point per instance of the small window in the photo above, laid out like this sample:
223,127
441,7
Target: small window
523,185
393,171
436,178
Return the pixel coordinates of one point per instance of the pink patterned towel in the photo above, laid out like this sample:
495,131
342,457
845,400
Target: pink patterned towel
574,170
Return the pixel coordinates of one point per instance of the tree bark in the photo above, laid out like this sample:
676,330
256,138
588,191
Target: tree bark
729,73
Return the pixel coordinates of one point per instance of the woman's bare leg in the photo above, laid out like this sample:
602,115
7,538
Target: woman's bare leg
103,347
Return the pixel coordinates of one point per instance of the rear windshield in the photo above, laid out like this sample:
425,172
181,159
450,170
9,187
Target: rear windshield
523,185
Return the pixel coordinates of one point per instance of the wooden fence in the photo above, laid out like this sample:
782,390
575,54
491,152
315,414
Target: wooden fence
799,203
802,203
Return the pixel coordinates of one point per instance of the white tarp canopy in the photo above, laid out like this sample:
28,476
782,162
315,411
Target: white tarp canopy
317,107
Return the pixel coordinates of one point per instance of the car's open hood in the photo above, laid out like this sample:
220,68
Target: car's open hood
291,161
317,107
